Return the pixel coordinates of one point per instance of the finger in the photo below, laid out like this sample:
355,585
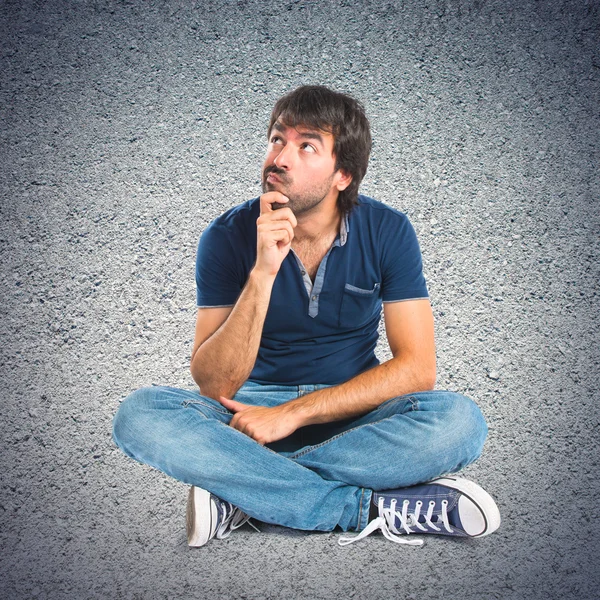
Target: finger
250,432
283,214
279,238
232,405
235,422
238,423
267,200
282,232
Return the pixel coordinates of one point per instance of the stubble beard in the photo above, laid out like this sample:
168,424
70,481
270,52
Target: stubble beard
300,202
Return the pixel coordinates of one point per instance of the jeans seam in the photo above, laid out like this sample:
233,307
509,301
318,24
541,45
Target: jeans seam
404,398
360,509
186,403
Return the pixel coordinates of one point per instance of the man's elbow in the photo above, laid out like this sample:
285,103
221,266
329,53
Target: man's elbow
201,379
212,387
425,375
416,373
427,381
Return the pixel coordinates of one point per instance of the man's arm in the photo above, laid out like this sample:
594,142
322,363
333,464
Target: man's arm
409,329
227,340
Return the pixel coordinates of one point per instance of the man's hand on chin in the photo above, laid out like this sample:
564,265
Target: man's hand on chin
261,423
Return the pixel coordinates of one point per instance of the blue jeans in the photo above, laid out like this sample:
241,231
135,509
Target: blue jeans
320,477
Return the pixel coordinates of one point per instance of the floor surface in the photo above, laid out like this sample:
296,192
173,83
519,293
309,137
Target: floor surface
127,126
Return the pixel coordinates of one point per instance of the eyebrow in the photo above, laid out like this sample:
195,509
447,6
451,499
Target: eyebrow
311,135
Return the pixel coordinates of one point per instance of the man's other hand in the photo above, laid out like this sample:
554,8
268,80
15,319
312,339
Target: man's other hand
275,232
261,423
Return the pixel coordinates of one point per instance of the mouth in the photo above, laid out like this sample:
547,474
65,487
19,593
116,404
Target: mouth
272,178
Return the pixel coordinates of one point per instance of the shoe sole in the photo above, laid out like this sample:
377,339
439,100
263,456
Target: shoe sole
199,517
479,497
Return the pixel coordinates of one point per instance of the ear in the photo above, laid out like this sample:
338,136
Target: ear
344,180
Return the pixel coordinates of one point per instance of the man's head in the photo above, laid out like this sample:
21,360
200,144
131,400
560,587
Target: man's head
343,127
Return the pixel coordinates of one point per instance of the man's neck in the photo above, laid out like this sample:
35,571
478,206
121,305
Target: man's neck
323,221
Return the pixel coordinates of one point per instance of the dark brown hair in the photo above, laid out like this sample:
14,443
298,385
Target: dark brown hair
318,107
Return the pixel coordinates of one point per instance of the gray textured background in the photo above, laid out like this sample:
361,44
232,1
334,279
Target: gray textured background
127,126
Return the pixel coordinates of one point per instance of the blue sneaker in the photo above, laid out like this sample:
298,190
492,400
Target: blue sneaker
445,506
209,517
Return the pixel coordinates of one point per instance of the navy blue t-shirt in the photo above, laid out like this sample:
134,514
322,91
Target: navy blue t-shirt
328,335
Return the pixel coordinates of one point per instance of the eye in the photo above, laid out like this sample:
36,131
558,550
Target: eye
275,139
308,148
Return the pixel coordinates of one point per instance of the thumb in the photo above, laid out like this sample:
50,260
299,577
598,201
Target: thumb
232,405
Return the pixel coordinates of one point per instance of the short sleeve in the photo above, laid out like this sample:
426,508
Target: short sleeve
403,277
218,281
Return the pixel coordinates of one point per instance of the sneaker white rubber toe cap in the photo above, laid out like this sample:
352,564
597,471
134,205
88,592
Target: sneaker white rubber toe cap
201,517
478,512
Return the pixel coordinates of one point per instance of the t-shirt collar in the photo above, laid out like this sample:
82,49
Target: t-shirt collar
344,229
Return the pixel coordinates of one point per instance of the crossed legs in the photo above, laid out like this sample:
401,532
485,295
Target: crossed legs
322,476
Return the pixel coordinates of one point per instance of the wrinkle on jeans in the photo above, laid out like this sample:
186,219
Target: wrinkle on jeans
195,403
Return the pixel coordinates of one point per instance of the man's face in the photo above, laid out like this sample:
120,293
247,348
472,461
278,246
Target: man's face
300,164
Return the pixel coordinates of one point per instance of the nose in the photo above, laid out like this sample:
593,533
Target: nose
284,158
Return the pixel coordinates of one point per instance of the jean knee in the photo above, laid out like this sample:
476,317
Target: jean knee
470,425
130,417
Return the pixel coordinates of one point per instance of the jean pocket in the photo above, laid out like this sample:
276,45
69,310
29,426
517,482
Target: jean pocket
359,305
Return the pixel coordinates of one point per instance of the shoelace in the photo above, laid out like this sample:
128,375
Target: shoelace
388,517
232,518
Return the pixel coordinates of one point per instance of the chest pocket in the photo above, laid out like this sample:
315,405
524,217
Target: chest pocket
359,305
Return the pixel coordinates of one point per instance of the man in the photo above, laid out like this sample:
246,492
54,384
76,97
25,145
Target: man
295,422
